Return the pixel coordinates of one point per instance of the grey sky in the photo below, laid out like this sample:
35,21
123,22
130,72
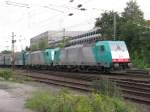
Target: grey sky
53,15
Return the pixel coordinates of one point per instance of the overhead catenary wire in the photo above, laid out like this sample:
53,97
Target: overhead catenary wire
17,4
50,8
47,20
44,6
54,9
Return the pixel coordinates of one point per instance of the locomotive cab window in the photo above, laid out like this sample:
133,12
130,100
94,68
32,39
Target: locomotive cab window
102,48
47,53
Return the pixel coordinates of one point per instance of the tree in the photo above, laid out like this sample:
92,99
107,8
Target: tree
27,48
64,42
6,51
34,47
135,31
43,43
132,12
145,39
132,20
106,23
132,28
147,23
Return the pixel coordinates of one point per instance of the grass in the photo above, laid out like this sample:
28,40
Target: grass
44,101
106,87
14,76
20,78
139,61
6,74
106,97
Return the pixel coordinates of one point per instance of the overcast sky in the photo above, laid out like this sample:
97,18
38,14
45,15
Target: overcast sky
46,15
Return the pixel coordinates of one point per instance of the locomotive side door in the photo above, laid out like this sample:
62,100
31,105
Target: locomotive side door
104,55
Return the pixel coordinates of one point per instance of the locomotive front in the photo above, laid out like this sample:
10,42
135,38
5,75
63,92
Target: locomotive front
120,55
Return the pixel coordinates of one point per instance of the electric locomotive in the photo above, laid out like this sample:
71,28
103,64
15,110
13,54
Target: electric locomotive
99,56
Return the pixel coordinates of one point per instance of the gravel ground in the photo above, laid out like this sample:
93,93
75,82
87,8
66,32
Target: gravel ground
13,96
143,108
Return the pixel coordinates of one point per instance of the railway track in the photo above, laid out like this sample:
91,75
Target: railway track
145,78
138,71
136,89
62,81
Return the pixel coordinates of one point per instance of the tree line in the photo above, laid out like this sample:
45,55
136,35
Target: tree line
130,27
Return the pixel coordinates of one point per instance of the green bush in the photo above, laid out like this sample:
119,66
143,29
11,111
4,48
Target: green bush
106,87
140,61
68,102
6,74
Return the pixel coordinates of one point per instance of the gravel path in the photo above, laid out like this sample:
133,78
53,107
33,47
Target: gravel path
13,96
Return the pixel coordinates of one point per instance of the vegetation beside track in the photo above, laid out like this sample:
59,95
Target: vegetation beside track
66,101
6,74
13,76
106,87
130,88
106,97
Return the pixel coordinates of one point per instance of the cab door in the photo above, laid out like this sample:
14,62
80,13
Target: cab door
47,57
102,54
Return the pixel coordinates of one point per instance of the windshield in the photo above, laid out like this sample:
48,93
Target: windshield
117,46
